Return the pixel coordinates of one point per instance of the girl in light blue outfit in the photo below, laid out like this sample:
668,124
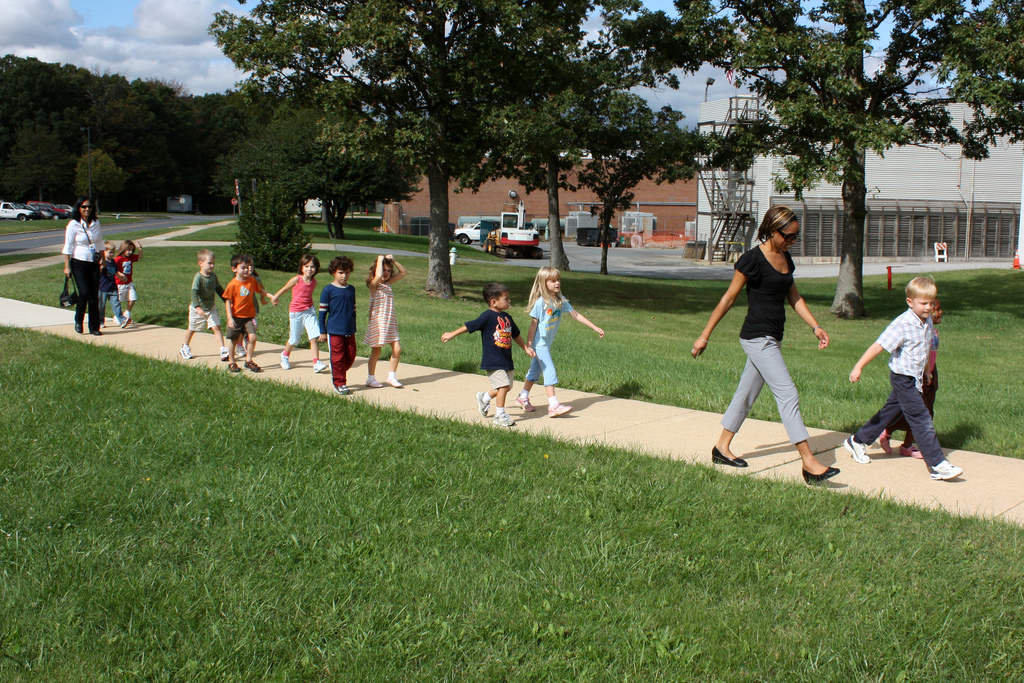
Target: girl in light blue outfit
546,309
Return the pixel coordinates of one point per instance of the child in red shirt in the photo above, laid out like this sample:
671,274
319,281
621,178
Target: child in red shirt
124,262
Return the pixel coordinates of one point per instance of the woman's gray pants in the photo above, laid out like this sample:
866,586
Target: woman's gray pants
766,366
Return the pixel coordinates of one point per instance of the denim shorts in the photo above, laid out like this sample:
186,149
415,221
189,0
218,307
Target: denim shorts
303,319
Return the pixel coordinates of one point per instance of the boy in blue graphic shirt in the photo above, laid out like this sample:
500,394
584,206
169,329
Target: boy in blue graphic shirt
497,332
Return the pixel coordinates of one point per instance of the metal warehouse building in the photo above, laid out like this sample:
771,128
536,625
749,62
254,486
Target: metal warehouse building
916,196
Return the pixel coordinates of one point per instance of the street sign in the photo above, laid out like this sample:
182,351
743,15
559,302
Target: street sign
237,193
234,201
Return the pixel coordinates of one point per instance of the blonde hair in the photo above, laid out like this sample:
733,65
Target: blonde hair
108,245
922,288
540,290
204,255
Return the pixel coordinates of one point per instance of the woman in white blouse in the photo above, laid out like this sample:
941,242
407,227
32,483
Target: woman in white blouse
83,243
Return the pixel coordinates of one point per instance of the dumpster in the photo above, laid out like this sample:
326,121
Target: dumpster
591,237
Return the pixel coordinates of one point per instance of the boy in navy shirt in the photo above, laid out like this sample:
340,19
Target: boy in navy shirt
338,321
497,332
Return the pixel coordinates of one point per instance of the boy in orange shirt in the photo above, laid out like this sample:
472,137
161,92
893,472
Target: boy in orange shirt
239,300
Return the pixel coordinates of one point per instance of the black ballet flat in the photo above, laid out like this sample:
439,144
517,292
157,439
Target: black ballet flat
78,328
96,333
719,459
815,478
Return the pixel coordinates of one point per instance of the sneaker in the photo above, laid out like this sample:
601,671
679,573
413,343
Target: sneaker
233,367
342,390
483,403
558,409
239,350
186,352
285,362
524,403
883,441
504,420
225,353
126,323
395,383
319,366
252,367
373,384
945,470
857,450
911,452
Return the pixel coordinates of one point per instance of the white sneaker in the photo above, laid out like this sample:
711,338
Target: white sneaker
319,366
186,352
225,353
239,350
285,362
395,383
483,403
504,420
857,450
373,383
945,470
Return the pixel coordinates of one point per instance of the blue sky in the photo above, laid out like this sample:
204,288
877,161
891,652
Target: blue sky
168,39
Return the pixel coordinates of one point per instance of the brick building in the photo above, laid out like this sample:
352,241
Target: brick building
672,205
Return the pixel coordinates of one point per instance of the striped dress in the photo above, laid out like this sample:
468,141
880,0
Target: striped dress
383,326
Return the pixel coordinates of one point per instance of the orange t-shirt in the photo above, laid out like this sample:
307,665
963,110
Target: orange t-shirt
240,294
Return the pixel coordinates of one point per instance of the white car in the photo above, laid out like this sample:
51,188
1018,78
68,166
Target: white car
469,232
18,212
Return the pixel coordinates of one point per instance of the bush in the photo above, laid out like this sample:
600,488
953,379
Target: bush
269,230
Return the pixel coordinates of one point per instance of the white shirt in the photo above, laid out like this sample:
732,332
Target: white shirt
909,340
78,238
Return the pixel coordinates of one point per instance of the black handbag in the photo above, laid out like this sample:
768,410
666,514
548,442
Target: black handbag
68,299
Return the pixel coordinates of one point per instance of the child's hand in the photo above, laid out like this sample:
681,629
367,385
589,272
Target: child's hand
322,338
600,332
273,299
855,374
200,311
530,352
446,336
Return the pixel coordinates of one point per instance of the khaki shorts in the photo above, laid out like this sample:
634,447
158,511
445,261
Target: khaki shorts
499,379
198,323
243,326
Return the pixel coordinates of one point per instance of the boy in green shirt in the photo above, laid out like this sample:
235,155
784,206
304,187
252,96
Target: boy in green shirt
202,313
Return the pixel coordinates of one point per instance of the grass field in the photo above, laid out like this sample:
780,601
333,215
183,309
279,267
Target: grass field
107,219
294,536
651,325
359,231
18,258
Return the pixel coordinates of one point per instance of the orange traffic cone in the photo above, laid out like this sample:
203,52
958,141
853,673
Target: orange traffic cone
1016,260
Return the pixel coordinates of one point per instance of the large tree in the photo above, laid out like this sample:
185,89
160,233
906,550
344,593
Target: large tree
418,74
630,143
840,78
39,163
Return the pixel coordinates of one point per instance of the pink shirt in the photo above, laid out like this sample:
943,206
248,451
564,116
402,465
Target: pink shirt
302,296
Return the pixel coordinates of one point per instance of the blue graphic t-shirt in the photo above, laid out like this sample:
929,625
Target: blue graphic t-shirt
548,319
497,330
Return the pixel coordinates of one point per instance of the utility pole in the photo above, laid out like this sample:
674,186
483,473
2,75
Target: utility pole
88,137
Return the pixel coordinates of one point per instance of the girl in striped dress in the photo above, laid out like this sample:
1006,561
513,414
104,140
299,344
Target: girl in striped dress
383,327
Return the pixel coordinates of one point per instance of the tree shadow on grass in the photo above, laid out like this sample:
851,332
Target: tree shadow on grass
631,389
960,435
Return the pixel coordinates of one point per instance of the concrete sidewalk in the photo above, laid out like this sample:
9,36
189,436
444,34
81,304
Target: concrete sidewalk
990,486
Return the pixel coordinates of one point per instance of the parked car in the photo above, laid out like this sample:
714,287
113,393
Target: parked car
15,211
50,210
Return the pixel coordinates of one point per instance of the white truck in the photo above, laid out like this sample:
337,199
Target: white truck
14,211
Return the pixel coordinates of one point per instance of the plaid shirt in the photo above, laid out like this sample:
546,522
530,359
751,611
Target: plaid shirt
909,340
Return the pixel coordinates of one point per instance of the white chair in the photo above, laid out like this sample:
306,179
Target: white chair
940,252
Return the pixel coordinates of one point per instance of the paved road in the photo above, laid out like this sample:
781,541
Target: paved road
54,237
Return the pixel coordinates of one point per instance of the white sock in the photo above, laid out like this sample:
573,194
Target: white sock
371,378
552,401
499,411
524,394
391,376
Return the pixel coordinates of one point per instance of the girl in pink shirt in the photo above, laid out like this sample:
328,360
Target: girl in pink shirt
301,312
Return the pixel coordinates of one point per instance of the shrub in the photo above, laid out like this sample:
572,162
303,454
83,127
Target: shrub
269,230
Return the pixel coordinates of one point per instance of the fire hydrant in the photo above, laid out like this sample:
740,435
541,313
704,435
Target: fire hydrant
452,256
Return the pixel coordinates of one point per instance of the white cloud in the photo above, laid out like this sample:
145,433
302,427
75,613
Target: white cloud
168,41
31,23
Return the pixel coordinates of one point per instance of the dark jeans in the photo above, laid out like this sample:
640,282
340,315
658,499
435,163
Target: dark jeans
928,395
87,280
907,399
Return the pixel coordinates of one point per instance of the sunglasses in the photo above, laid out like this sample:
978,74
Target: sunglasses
790,236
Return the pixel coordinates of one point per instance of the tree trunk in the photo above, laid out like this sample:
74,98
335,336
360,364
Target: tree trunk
328,206
604,230
439,271
849,299
342,212
558,258
301,204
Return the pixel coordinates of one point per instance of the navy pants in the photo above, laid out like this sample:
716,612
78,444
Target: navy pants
907,399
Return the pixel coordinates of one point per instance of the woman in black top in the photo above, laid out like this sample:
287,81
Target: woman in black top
767,272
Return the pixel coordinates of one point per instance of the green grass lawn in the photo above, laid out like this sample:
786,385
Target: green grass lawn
651,325
18,258
359,231
161,522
